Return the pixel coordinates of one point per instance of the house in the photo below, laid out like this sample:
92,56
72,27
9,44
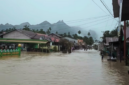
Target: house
25,38
19,34
121,40
117,43
55,41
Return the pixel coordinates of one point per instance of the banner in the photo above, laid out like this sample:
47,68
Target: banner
116,8
125,10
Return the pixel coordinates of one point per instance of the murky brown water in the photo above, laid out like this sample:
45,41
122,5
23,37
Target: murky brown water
78,68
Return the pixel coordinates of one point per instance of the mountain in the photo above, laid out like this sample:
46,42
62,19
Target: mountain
60,26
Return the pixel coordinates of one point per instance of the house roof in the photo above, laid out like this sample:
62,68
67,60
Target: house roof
23,40
43,36
27,33
71,40
55,35
46,37
111,39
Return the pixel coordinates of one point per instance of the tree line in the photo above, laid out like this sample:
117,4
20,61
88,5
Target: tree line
87,39
113,33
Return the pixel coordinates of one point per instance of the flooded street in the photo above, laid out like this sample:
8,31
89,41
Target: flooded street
78,68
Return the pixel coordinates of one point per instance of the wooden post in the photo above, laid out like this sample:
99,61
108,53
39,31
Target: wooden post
125,42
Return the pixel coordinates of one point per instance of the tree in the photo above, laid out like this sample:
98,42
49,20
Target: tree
10,29
113,33
56,32
61,34
50,28
91,41
33,30
41,31
65,35
13,28
69,35
26,28
79,32
85,39
75,36
89,34
37,31
7,30
48,31
1,31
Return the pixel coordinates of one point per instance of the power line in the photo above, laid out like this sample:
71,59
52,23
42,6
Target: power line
111,23
90,20
99,6
107,18
100,22
94,21
107,23
106,7
86,18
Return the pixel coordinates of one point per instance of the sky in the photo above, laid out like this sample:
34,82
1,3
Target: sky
82,13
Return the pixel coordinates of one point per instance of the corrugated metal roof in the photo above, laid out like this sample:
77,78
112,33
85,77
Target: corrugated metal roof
111,39
27,33
55,35
71,40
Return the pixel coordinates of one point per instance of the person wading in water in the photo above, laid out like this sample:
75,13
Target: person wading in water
102,55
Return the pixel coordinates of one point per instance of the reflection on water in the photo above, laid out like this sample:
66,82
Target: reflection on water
78,68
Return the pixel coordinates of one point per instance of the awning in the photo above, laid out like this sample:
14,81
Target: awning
23,41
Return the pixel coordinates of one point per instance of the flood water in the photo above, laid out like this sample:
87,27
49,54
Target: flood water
78,68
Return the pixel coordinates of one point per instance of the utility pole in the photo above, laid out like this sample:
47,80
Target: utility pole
125,42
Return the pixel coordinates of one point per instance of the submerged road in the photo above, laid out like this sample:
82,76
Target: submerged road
78,68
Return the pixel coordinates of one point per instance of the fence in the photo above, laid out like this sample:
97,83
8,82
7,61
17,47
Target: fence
10,52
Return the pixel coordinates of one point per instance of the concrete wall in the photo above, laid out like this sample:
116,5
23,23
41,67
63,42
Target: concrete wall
16,35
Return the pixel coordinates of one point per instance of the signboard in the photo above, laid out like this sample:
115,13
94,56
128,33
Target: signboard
116,8
125,10
121,9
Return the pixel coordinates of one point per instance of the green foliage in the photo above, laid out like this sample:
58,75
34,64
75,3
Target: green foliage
95,47
48,31
37,30
33,30
75,36
56,32
50,28
88,33
65,35
26,28
85,39
41,31
69,35
91,41
55,49
79,32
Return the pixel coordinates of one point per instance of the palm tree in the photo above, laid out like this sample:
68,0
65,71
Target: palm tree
88,33
56,32
79,32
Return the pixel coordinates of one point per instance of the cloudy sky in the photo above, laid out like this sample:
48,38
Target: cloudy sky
82,13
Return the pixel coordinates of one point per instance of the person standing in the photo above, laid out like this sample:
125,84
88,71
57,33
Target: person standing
102,55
